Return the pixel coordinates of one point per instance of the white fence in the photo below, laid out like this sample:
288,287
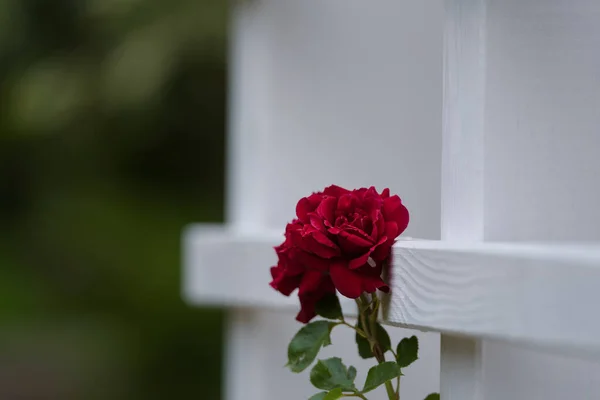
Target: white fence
506,176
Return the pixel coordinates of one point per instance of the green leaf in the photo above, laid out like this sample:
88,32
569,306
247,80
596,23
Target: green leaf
331,395
351,373
407,351
433,396
380,374
334,394
383,338
364,348
332,374
329,307
305,345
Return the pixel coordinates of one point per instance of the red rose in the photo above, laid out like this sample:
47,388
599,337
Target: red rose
341,240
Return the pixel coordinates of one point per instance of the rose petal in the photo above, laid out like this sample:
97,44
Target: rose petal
346,282
359,193
307,312
309,299
378,226
306,205
316,221
391,230
335,191
372,201
357,232
382,252
394,210
346,203
351,243
326,209
311,280
275,271
362,260
318,243
310,261
284,283
334,230
371,279
292,261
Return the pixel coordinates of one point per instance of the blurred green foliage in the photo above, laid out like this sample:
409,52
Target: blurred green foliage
112,120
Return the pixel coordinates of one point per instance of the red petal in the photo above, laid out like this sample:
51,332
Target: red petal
346,203
362,260
306,205
284,283
308,298
335,191
371,279
307,312
360,193
275,272
346,282
383,249
378,225
394,210
391,230
316,221
318,243
334,230
311,281
352,244
310,261
326,209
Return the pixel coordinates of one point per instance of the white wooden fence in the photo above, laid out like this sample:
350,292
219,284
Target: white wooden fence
484,115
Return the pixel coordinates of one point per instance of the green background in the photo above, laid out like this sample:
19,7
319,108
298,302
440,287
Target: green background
112,121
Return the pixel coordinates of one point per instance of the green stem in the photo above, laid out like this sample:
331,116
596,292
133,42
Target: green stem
370,329
359,395
359,331
392,395
364,300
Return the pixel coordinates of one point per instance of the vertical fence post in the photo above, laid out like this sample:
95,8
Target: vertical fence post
462,170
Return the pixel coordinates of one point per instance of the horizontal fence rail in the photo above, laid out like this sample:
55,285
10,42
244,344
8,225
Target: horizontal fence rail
543,294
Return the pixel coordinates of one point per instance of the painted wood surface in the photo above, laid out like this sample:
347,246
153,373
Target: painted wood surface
519,163
505,291
321,93
539,294
542,165
462,217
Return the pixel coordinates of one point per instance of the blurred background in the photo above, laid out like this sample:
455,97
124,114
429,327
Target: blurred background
112,121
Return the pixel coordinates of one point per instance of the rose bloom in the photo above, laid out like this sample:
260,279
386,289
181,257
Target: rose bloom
341,240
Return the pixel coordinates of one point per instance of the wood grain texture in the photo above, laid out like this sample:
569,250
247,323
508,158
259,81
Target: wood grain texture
539,294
